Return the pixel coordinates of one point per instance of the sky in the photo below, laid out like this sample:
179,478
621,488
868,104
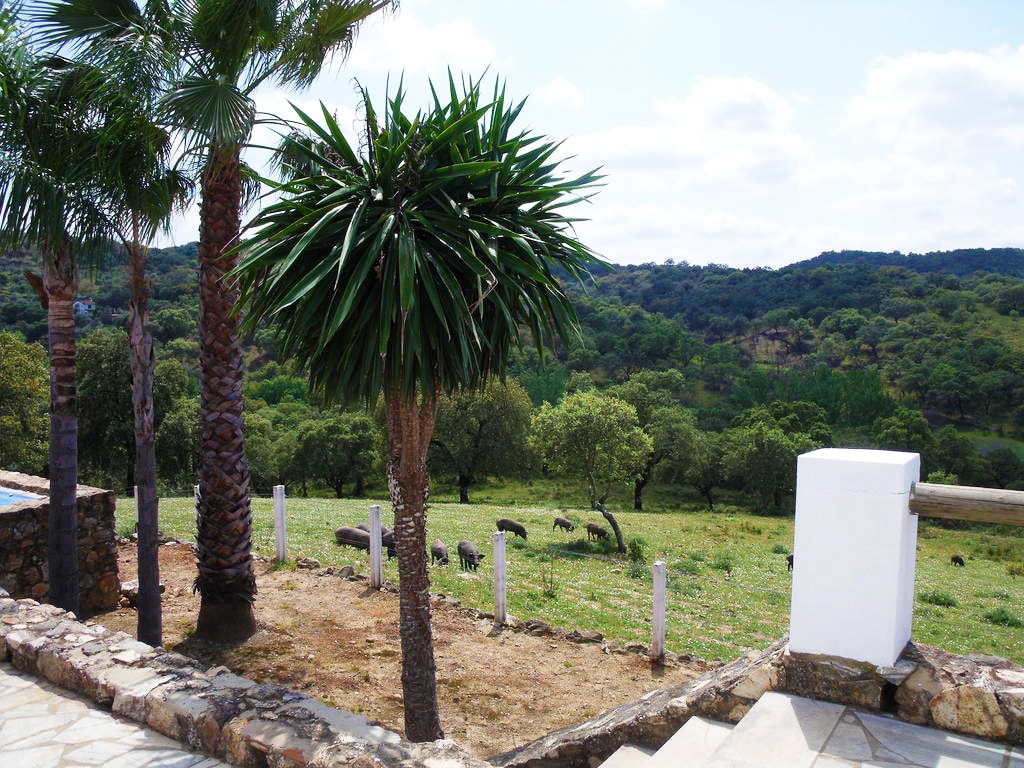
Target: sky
738,132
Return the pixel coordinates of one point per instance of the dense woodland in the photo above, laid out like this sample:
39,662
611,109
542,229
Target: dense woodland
725,374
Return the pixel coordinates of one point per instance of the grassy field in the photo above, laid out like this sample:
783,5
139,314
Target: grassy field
728,584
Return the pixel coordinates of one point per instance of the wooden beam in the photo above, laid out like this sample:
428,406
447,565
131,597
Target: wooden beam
962,502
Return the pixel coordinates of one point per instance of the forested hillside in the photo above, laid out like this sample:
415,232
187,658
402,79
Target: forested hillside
921,352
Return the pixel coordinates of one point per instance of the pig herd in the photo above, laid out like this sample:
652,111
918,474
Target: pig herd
469,555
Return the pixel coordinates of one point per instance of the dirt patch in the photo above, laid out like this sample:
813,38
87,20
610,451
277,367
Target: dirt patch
338,641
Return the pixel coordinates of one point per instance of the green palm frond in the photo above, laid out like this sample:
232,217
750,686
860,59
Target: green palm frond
216,110
414,264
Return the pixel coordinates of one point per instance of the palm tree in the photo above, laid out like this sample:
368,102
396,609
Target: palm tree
408,270
124,60
228,48
47,200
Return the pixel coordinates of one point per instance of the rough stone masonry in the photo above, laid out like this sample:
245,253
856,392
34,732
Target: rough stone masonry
23,531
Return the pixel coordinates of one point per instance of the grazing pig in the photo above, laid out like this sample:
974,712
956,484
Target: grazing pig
504,524
561,522
469,556
360,539
438,552
957,560
789,562
595,532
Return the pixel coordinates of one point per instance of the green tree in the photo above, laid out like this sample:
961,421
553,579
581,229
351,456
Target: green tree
338,449
23,395
105,426
761,459
482,432
594,437
406,270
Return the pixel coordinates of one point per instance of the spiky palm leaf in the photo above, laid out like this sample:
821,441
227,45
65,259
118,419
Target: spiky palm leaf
414,264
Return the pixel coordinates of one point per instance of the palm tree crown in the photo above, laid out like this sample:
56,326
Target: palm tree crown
412,265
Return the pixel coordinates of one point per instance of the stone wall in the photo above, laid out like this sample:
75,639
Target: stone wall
23,532
210,710
975,695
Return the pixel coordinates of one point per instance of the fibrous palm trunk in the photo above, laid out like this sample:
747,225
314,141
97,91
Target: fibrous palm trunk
60,282
225,582
140,338
410,424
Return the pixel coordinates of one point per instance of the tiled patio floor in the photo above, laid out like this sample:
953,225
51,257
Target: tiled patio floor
43,726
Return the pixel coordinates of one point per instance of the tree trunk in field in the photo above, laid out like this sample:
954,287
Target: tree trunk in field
464,483
615,526
225,582
410,424
140,339
60,281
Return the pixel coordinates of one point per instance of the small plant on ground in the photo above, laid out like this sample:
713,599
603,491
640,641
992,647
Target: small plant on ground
1001,595
1015,570
636,552
1004,618
780,549
944,599
723,561
689,567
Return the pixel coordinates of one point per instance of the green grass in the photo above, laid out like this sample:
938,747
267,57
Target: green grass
728,585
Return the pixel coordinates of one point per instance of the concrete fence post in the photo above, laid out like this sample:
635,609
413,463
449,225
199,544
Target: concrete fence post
659,574
500,602
854,554
196,495
280,525
376,559
135,493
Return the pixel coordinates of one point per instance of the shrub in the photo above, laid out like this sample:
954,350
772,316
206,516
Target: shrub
723,561
1003,618
689,567
780,549
636,550
944,599
638,570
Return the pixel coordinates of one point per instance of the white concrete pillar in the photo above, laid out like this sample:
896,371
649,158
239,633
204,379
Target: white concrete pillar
500,602
854,554
659,574
280,525
376,544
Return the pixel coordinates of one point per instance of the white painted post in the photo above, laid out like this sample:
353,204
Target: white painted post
854,554
280,524
658,572
376,561
196,496
135,494
500,603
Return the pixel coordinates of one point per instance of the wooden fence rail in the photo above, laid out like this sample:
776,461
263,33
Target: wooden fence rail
962,502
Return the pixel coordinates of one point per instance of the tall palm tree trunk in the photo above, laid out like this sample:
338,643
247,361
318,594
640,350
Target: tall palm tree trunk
225,582
140,338
60,281
410,424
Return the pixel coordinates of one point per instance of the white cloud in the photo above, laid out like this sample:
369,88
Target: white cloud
404,42
954,100
560,93
725,131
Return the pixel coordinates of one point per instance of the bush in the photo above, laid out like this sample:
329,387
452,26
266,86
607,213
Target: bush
780,549
724,561
638,570
688,567
636,550
944,599
1003,618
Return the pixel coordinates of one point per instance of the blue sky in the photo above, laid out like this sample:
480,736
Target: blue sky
740,132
